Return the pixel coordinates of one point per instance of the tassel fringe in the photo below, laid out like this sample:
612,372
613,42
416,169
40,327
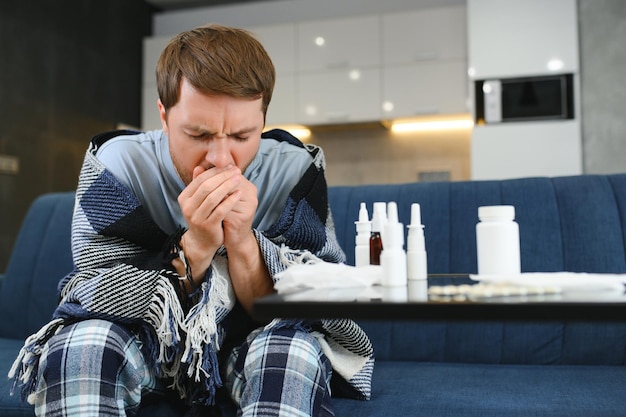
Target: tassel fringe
25,367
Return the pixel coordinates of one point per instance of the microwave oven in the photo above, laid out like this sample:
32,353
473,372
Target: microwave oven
547,97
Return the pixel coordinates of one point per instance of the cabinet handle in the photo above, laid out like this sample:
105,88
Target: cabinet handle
426,110
337,117
338,64
426,56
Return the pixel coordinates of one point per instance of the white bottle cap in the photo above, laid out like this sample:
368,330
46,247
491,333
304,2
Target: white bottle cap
379,218
363,215
392,212
363,225
415,239
505,212
416,215
393,237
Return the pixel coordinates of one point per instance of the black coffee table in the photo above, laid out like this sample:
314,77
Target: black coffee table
414,303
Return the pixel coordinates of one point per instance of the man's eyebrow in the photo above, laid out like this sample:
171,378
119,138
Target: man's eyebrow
243,131
198,129
206,132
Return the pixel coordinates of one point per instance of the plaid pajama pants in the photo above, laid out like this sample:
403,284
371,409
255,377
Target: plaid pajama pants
280,372
96,368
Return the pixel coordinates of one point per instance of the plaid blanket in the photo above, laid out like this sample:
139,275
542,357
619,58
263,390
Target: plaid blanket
123,273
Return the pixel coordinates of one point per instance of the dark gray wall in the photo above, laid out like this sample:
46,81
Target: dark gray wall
602,26
68,70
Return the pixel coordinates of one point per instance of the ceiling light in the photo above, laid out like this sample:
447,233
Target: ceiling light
388,106
431,125
555,64
301,132
355,75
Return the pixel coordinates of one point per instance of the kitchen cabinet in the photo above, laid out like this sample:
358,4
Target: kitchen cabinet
346,43
424,35
282,109
424,62
513,39
149,111
152,48
425,88
280,43
339,96
338,79
356,69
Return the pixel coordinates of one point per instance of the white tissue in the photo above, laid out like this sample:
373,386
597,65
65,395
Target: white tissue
321,275
566,281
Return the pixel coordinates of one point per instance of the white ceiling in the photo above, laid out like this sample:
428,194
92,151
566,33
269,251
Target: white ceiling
169,5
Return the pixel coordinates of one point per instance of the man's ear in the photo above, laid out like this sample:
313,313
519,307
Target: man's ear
162,116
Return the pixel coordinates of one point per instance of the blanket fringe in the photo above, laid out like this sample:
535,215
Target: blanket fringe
194,354
166,317
203,335
25,367
289,256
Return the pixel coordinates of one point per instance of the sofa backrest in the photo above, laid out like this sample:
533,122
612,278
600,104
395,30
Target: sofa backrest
566,223
41,256
574,224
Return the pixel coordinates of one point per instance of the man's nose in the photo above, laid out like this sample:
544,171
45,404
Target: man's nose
218,153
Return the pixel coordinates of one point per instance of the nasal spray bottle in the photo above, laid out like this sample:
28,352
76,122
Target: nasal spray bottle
379,219
393,256
417,264
362,239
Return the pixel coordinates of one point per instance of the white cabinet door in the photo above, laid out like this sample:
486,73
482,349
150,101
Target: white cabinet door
152,48
519,38
149,111
435,87
339,96
280,43
429,34
339,43
282,109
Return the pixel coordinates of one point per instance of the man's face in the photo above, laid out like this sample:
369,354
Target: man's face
211,131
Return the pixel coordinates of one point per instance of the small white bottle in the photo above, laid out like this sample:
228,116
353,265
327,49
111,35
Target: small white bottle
497,241
417,263
393,256
362,239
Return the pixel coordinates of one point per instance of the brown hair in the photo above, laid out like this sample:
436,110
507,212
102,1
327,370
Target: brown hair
215,60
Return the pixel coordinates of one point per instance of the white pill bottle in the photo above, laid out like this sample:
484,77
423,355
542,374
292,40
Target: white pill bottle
497,241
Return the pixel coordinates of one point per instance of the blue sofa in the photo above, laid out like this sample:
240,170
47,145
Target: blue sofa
429,368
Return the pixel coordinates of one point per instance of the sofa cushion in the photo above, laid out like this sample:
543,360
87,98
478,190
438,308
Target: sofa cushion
41,256
472,390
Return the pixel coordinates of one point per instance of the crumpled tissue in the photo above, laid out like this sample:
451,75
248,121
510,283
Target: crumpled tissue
320,275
